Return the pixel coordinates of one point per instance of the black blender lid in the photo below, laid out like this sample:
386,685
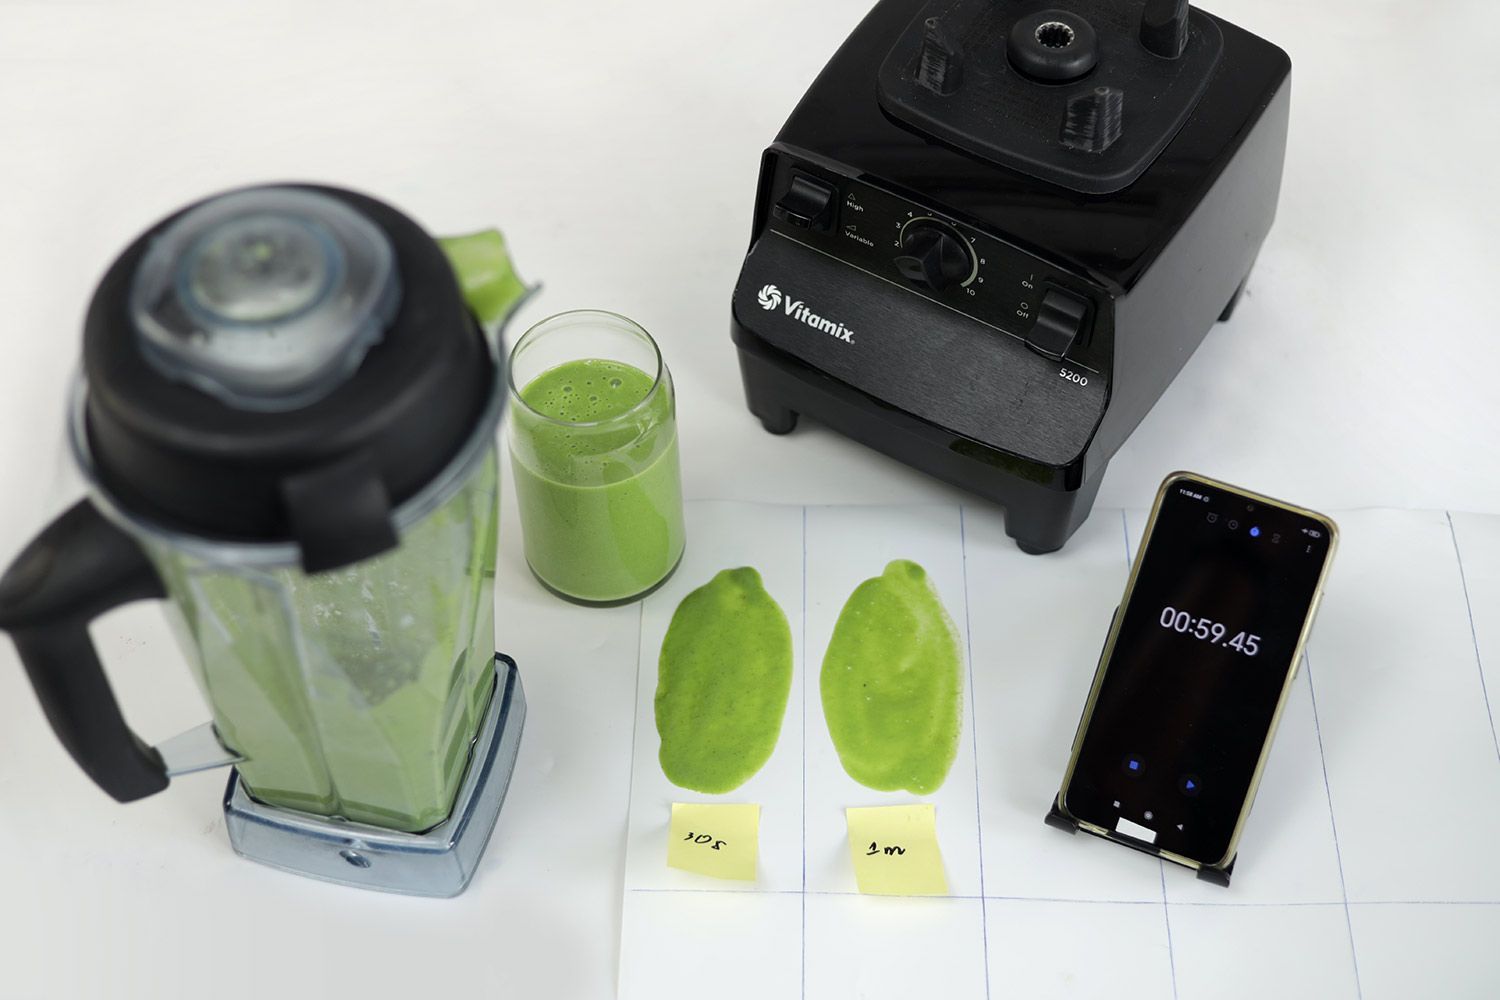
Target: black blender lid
1084,94
281,363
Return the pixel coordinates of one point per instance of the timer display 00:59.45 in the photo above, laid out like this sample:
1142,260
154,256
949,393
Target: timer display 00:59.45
1209,631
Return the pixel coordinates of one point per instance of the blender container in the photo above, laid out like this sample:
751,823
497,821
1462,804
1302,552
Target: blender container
287,416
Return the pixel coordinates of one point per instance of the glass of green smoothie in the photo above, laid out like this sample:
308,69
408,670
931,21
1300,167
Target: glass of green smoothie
593,444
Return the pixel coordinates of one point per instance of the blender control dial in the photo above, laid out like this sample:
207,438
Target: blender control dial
935,254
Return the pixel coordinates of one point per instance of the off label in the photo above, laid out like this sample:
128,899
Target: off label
1028,290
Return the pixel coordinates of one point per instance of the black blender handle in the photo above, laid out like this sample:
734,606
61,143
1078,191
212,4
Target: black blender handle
79,567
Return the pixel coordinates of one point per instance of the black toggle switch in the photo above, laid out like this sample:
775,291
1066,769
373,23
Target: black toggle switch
807,204
1058,322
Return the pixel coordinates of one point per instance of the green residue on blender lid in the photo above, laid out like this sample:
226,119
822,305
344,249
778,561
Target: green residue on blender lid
485,274
723,678
892,683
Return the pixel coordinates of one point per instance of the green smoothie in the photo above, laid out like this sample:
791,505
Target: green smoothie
354,692
722,682
594,449
892,683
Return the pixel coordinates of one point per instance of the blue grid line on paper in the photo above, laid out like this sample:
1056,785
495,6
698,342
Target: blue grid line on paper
1473,632
1161,866
1338,853
640,638
635,725
984,917
755,891
804,753
1166,913
1424,902
1200,903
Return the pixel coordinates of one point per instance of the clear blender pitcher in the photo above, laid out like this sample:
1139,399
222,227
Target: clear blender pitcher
287,416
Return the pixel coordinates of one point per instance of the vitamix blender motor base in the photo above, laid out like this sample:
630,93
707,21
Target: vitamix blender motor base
439,862
1043,507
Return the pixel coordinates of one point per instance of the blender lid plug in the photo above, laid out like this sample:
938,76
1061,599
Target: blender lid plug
268,299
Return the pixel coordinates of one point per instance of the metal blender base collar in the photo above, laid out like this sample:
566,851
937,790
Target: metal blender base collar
439,862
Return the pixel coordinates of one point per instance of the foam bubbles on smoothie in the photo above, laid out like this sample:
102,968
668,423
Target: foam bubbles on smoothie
606,389
590,391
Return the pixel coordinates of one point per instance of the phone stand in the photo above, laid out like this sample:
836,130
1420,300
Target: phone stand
1218,876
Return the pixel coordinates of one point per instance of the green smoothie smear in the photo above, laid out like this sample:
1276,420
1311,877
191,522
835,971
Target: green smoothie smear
598,480
722,683
892,683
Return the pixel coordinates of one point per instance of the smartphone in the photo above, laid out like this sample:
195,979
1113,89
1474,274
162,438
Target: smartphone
1196,671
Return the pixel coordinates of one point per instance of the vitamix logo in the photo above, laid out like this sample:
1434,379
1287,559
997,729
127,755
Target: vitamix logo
770,297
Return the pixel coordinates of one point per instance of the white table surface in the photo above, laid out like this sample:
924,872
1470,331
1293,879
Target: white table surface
617,144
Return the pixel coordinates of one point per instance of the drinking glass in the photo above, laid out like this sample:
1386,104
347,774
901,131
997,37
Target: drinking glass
593,443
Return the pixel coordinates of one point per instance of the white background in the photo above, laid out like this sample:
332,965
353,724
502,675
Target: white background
617,143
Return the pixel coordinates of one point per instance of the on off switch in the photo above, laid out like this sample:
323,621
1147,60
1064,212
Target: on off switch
1059,321
807,204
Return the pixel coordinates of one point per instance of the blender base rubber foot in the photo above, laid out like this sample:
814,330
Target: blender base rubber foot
436,862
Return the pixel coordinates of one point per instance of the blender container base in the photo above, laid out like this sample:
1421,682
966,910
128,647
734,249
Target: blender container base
439,862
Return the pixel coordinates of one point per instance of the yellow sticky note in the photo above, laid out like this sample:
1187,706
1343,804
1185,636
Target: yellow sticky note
895,850
713,839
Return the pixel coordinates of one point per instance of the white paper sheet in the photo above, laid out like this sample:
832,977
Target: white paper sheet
1367,870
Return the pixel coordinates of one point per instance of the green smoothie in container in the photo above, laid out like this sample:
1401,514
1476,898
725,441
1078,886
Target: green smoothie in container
594,450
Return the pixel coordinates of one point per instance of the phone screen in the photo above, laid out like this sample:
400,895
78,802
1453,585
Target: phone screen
1190,691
